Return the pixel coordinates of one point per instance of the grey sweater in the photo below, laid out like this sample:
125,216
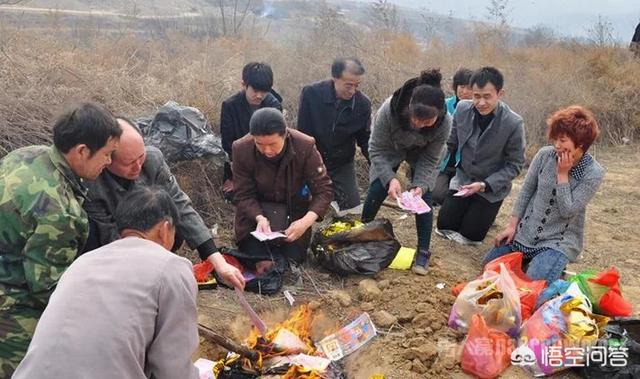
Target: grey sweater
125,310
390,144
552,215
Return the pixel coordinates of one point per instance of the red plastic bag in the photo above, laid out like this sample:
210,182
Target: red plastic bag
486,352
202,271
512,261
529,291
233,261
458,288
611,303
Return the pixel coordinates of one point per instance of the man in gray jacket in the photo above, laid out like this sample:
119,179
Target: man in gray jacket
125,310
486,145
134,165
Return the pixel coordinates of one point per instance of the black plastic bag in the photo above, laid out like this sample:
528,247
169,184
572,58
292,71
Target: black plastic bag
265,284
181,133
236,372
623,332
365,250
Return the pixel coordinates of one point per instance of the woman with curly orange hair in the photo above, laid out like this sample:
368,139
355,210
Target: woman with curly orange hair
547,222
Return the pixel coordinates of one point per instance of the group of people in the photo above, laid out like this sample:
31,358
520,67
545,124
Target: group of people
96,216
463,153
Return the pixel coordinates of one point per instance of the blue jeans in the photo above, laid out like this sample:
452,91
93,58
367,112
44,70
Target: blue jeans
546,265
376,195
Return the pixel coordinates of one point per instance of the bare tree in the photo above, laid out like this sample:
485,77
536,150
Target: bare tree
238,19
600,33
431,24
332,32
499,12
385,15
234,13
224,23
499,33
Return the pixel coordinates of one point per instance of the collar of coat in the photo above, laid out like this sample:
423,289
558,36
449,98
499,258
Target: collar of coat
329,95
272,99
497,112
60,163
578,171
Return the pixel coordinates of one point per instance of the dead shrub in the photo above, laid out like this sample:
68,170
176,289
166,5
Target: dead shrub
42,70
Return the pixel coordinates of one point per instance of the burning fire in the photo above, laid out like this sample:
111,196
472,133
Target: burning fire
297,372
299,324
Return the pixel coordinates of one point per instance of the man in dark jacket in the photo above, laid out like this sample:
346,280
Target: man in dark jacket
337,115
635,42
281,185
134,165
256,93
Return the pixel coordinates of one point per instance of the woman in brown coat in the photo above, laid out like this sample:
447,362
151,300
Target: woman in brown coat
281,184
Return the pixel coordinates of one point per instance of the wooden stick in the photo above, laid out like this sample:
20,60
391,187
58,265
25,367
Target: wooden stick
219,309
391,204
227,343
312,282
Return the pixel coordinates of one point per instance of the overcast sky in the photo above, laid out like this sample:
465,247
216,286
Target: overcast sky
566,17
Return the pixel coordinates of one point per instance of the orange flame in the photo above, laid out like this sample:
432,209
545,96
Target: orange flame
297,372
299,324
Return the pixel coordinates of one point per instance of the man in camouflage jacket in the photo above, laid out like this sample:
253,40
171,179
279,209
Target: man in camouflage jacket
42,223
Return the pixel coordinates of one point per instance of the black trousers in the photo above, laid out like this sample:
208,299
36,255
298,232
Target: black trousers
345,186
441,189
470,216
276,249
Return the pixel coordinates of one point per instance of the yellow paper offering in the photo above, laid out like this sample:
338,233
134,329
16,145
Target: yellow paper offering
403,259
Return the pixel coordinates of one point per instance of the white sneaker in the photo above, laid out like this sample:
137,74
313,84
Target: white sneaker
444,233
462,240
335,206
357,210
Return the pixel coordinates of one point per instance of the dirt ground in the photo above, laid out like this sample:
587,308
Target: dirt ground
419,344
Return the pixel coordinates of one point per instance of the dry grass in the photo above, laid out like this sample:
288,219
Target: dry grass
40,72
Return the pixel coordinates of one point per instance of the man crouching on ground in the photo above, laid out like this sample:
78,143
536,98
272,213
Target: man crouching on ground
125,310
282,185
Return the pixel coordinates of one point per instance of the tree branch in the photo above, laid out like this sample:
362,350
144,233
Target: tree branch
227,343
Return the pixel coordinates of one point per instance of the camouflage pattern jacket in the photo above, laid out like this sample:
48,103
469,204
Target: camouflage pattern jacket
42,224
